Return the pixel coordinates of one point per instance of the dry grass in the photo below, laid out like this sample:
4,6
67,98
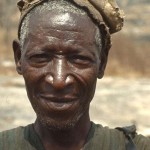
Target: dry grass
129,57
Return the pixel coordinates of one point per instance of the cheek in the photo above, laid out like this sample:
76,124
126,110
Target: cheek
90,74
31,74
91,81
87,84
32,77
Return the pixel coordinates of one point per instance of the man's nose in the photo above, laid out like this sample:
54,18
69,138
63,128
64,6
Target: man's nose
59,75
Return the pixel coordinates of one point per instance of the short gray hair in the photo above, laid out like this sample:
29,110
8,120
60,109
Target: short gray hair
62,6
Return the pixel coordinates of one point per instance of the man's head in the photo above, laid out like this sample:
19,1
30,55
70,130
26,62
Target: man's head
60,55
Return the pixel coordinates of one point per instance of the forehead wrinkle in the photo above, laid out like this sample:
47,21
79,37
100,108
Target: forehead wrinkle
49,29
56,43
75,32
64,39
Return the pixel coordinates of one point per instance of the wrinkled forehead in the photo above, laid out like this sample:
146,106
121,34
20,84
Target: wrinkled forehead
67,21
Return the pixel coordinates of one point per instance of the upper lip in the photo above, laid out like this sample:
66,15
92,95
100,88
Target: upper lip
59,99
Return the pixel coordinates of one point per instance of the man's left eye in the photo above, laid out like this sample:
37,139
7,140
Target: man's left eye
81,60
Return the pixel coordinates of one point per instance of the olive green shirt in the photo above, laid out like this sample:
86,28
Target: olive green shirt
99,138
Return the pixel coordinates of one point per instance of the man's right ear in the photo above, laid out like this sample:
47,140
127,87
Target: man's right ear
17,56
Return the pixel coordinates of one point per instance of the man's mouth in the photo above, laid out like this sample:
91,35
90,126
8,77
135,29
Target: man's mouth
59,103
63,105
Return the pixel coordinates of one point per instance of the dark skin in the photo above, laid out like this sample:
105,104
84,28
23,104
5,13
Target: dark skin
60,64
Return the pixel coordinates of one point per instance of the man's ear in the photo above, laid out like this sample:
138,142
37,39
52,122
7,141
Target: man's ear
103,62
17,56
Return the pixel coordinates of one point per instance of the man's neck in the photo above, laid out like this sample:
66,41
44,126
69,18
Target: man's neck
71,139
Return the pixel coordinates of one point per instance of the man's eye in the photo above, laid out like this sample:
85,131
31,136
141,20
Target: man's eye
39,58
81,60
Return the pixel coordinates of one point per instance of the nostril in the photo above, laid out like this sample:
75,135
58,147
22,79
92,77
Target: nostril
69,79
49,79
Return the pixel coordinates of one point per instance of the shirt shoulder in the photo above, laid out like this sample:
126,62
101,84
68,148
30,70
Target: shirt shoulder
113,139
14,139
142,142
104,138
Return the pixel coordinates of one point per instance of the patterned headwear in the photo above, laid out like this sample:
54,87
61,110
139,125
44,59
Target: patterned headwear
106,13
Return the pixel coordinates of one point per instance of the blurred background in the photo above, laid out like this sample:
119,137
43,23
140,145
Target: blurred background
122,96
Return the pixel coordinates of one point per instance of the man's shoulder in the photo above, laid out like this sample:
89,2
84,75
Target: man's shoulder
11,133
13,138
117,139
105,138
142,142
12,130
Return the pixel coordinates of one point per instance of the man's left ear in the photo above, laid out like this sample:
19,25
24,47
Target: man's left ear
17,55
102,65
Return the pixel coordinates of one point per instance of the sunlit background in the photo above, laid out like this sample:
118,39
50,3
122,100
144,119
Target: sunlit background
122,96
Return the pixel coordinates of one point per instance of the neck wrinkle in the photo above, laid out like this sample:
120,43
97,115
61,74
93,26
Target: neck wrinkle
72,139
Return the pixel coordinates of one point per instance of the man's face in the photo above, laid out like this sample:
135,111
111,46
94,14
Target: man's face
60,65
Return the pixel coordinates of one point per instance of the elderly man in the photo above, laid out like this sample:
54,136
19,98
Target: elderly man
62,50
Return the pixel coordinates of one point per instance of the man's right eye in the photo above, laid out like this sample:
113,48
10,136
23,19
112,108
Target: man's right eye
39,59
